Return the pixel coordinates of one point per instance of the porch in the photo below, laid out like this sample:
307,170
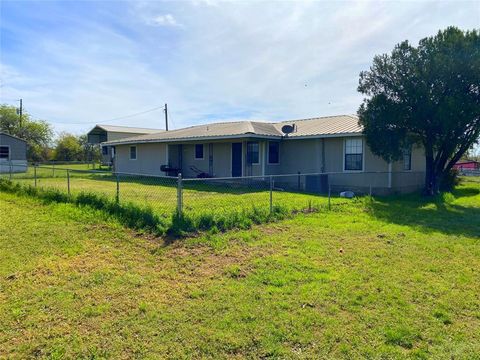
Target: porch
236,158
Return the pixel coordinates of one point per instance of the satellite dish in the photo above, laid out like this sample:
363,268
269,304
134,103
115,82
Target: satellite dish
288,129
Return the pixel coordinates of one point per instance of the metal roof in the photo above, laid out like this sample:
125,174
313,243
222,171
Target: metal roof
314,127
126,129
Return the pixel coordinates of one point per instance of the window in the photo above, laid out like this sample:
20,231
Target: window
407,158
133,153
354,154
4,152
273,152
252,153
198,151
105,150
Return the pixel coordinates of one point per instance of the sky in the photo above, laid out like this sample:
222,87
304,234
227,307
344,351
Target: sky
81,63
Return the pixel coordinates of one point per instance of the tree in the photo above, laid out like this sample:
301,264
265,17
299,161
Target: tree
428,95
91,153
68,148
38,134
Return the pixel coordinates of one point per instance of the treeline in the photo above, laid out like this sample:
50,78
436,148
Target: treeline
42,144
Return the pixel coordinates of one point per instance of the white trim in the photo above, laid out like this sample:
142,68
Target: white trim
268,153
9,158
130,152
363,157
195,152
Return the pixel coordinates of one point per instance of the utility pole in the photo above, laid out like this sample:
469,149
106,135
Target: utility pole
21,111
166,117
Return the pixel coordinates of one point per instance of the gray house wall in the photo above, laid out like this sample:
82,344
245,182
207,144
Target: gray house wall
313,155
149,159
17,161
18,147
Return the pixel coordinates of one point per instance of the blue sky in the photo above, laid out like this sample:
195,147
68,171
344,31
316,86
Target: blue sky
80,63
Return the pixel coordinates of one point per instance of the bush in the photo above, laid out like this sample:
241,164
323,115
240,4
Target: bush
450,180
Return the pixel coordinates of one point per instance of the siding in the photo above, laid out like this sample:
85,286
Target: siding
149,159
18,148
299,155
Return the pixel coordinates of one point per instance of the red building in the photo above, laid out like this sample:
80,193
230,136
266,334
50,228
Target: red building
467,165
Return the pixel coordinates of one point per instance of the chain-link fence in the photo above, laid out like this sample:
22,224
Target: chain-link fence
217,196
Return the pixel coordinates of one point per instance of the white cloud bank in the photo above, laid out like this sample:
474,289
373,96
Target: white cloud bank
234,60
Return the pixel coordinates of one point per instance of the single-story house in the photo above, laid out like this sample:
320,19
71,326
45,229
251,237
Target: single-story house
13,154
333,144
103,133
467,165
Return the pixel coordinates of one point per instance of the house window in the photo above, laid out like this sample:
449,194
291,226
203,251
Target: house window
105,150
354,154
407,159
4,152
133,153
252,153
198,151
273,152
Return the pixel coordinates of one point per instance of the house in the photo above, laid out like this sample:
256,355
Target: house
333,145
13,153
467,165
103,133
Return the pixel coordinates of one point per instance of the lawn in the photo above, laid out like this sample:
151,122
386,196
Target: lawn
160,193
396,278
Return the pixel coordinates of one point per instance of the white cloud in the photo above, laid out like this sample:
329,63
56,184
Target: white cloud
164,20
234,60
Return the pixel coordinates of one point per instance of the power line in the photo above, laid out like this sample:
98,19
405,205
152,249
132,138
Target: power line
109,120
99,122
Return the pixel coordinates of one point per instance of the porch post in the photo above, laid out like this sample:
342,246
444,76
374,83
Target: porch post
390,175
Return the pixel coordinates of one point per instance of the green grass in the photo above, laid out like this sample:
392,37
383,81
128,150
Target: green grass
395,278
201,199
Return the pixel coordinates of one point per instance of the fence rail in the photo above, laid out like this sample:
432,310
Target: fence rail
215,197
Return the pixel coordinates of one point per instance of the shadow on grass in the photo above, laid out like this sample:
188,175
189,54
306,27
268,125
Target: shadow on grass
431,215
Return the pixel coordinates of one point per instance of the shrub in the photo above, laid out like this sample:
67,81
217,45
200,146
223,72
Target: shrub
450,180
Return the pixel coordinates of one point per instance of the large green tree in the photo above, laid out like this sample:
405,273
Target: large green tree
428,95
38,134
68,148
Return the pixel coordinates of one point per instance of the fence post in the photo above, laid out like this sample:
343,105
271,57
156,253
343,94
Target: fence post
35,173
117,196
11,169
271,194
179,194
68,181
53,169
298,181
329,191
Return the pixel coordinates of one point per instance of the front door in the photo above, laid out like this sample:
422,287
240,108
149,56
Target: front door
236,159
